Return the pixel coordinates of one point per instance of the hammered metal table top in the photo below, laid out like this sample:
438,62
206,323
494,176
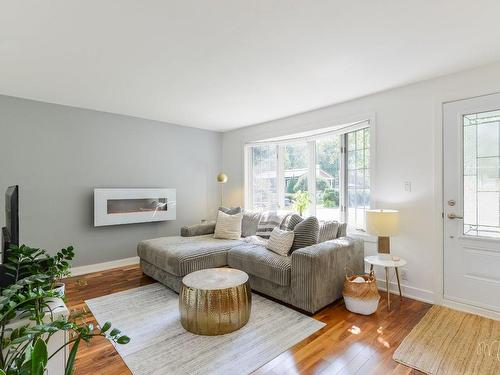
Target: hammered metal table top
215,278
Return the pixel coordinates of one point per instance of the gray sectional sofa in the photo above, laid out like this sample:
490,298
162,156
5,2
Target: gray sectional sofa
309,279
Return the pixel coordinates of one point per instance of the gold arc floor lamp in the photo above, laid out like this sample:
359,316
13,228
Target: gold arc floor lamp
384,224
221,179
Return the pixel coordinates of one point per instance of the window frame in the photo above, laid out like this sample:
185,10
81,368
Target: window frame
340,130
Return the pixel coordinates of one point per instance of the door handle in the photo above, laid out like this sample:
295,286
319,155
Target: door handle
453,216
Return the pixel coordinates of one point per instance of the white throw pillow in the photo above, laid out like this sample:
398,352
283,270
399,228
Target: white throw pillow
280,241
228,227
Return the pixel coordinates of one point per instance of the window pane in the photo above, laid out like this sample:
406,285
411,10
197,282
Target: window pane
482,174
358,174
264,177
296,169
328,156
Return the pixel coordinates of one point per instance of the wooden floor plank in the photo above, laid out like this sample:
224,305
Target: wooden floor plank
348,344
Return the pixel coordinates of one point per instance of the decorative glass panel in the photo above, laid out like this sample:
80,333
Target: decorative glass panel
121,206
482,174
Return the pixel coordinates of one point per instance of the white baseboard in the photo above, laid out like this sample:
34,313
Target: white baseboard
408,291
471,309
83,270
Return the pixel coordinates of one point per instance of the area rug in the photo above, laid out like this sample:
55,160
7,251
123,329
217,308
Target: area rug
447,341
159,345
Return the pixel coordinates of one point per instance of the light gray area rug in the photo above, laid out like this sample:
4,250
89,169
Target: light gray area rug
149,315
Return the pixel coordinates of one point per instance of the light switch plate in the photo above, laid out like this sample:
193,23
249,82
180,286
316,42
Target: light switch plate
407,186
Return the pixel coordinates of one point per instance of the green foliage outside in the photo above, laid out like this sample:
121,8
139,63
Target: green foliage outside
301,201
301,184
329,198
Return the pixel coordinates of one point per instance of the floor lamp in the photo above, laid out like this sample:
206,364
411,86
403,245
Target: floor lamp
221,179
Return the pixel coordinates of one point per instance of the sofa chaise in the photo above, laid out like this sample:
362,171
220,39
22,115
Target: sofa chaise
309,279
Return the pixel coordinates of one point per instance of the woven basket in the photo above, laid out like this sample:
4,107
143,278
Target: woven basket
361,298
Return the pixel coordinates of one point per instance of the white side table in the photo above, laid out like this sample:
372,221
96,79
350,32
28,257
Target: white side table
387,262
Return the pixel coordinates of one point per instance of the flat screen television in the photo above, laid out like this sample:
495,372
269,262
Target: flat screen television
10,233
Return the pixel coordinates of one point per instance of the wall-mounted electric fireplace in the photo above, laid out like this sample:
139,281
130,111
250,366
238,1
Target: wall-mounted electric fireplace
126,206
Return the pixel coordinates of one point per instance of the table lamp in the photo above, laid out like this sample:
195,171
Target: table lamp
384,224
221,179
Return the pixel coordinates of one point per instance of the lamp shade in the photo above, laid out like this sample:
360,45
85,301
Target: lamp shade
382,223
221,178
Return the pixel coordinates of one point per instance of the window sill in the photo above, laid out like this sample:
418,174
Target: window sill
361,235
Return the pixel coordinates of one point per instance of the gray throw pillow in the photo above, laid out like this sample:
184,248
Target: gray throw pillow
342,232
249,223
305,233
328,230
290,221
230,210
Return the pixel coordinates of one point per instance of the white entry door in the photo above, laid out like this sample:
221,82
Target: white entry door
471,144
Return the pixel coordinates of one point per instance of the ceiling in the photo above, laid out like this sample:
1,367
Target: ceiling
224,64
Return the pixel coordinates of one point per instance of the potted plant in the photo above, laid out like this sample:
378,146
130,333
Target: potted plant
57,268
24,261
23,350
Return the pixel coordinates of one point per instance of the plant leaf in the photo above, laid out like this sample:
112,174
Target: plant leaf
106,327
39,357
71,358
123,340
115,332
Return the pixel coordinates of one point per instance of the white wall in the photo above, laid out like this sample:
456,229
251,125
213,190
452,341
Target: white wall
58,155
408,148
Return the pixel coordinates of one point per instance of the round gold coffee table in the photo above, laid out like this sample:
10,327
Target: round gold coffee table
215,301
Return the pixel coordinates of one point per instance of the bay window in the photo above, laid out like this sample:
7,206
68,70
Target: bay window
332,167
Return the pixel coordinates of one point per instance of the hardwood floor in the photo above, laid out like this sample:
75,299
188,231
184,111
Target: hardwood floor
348,344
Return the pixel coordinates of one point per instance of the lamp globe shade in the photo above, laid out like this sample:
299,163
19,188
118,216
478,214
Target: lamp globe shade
221,178
382,223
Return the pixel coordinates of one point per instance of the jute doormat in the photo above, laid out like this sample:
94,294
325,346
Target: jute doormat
447,341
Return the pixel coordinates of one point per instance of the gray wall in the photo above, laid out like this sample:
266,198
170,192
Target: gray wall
59,154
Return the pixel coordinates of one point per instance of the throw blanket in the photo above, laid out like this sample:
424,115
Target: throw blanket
268,221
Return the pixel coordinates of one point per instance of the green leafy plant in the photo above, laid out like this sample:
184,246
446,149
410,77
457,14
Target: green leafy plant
23,350
57,266
301,200
24,261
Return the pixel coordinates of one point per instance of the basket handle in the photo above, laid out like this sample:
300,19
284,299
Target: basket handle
348,269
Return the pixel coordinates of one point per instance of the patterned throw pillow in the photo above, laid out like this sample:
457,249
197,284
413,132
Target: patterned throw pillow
228,227
305,233
290,221
268,221
280,241
328,230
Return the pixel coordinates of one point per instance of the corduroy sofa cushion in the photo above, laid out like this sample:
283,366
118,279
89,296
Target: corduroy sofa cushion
182,255
258,261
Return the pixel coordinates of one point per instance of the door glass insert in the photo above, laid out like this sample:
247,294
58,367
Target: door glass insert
481,137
